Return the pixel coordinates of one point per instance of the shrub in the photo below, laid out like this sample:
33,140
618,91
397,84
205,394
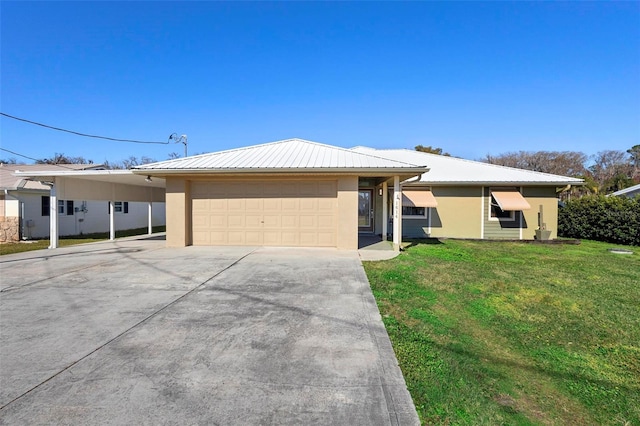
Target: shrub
599,218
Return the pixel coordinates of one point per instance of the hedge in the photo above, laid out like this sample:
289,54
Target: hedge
600,218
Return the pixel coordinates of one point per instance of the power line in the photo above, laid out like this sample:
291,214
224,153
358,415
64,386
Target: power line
82,134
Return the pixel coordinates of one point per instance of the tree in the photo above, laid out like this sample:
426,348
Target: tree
563,163
60,158
128,163
634,154
612,171
11,160
431,150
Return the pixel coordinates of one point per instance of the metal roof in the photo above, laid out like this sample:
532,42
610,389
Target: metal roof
290,155
451,170
9,181
630,192
125,177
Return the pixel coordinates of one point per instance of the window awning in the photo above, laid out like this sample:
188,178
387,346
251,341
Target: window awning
418,199
510,200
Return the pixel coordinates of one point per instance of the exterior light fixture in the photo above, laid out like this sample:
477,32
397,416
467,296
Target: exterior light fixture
380,192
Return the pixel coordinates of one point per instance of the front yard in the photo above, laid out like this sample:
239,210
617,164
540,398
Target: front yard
512,333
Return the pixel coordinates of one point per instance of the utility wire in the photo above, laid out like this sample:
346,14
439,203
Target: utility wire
81,134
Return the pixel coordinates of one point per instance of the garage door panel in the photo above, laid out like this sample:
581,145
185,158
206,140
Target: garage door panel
274,213
326,205
272,205
272,221
290,204
290,238
201,205
308,239
290,221
236,221
254,204
218,221
200,221
253,221
326,222
254,238
218,205
308,204
236,204
235,238
307,222
272,238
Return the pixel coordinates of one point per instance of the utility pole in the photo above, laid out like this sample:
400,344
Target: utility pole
179,139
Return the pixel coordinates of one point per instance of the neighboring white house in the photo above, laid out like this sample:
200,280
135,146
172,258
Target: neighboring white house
25,207
630,192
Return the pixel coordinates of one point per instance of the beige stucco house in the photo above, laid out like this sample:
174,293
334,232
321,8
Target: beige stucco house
301,193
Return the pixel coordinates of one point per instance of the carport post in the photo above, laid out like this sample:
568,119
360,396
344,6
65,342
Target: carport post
112,225
53,217
385,210
150,224
397,213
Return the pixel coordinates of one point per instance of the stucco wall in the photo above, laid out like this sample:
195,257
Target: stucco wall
545,196
458,214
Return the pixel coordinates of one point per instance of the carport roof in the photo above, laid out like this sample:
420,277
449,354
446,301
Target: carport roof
286,156
124,177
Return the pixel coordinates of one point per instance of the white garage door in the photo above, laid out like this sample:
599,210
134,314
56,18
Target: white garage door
265,213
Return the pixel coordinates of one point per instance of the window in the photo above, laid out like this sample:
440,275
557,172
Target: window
70,210
60,206
45,205
409,212
497,213
120,207
505,202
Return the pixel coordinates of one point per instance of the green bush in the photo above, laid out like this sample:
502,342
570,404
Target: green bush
600,218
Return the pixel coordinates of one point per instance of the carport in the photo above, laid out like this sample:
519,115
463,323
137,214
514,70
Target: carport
97,185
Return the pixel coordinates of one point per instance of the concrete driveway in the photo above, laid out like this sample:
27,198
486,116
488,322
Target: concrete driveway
130,332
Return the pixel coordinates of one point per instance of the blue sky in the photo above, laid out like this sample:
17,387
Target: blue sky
473,78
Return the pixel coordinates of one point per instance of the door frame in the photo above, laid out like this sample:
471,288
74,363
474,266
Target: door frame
371,227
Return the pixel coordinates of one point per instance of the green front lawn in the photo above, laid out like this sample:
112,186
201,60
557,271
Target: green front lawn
511,333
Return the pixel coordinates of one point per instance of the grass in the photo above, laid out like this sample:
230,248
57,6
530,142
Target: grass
512,333
10,248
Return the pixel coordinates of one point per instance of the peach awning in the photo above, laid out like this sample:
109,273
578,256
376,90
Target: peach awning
418,199
510,200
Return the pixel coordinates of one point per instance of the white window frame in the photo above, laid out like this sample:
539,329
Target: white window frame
416,216
61,207
493,203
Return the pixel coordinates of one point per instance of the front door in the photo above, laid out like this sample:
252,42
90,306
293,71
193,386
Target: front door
365,210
